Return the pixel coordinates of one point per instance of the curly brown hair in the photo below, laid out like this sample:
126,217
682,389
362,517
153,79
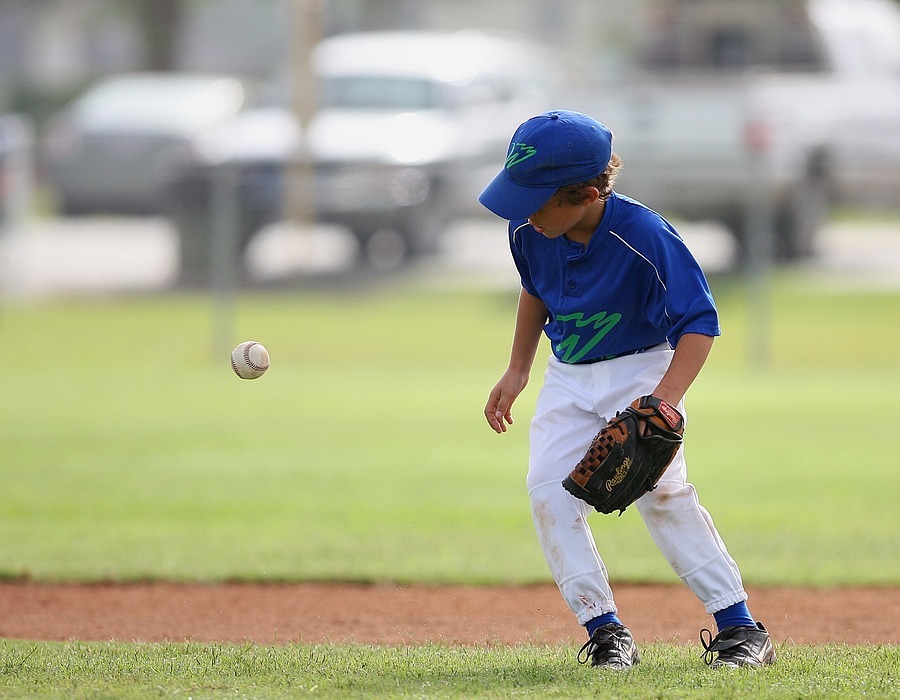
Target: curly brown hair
574,194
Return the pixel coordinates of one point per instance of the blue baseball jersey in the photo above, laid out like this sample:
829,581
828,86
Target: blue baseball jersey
634,285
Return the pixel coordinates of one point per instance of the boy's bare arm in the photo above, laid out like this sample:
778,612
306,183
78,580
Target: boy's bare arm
690,356
530,319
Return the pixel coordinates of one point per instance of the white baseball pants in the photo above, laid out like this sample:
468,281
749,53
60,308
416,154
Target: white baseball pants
574,403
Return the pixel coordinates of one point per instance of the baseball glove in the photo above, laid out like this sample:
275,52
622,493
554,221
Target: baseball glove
627,458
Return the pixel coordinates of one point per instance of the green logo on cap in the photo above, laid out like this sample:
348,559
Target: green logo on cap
519,152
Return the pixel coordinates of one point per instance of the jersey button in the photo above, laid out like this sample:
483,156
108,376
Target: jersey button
572,284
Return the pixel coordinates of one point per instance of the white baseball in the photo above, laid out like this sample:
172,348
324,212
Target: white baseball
250,360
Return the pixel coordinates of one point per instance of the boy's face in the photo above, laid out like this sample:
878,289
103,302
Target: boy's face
556,217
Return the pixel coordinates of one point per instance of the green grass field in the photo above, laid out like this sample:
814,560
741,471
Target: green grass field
81,670
130,451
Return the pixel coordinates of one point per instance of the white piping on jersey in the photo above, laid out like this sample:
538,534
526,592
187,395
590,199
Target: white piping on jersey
519,228
641,255
627,245
624,242
645,259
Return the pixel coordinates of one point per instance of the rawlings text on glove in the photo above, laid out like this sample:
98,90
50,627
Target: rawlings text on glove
627,457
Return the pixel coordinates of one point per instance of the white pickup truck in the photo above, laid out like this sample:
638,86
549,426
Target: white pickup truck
799,97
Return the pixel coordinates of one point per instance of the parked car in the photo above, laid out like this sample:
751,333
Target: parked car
409,126
799,98
112,148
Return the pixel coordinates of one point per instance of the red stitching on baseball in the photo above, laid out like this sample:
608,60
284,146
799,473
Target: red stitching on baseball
250,363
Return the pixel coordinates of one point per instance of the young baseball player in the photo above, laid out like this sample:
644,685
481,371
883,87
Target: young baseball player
628,313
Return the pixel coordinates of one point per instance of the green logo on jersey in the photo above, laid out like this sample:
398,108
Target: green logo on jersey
519,152
601,322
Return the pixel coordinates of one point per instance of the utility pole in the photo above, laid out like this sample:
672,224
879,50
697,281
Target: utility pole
305,32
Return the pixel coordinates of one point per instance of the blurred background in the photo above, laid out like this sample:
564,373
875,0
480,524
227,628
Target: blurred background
177,176
188,143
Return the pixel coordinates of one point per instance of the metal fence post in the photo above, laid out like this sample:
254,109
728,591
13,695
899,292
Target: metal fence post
224,256
16,185
759,220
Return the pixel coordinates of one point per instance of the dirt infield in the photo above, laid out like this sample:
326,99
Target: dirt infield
388,614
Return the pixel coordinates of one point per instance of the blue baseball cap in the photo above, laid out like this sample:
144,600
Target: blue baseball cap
547,152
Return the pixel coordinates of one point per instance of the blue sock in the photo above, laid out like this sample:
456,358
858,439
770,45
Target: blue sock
738,615
592,625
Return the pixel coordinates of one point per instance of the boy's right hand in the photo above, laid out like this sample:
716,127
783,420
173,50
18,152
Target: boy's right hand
498,410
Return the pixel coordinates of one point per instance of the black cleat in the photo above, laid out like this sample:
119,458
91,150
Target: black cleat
737,647
611,646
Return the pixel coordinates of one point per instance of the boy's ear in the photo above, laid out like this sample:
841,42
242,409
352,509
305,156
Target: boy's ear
591,195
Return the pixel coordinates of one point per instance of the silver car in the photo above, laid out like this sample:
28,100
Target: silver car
113,147
409,126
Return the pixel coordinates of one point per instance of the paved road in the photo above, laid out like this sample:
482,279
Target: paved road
104,254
